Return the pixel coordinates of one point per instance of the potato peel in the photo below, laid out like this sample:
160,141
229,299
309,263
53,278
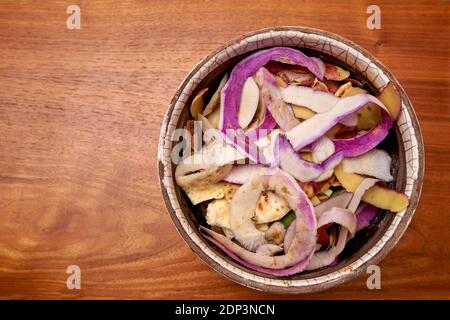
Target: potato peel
377,195
198,103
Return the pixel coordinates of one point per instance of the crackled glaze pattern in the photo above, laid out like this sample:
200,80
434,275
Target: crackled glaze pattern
294,38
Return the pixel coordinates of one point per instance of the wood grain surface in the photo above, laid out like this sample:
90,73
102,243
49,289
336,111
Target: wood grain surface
80,114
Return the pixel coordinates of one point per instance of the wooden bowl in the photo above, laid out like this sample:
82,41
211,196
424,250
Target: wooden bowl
404,144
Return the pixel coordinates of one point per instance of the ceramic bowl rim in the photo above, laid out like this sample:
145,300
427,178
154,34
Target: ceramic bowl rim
346,275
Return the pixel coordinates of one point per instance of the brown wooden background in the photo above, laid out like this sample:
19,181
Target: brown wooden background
80,114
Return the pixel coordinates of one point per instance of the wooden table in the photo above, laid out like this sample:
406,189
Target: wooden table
80,114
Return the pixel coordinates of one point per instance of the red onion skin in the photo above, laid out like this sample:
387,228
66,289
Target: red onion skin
361,144
230,104
341,200
240,174
296,268
245,145
301,169
305,228
364,215
231,93
288,236
304,171
323,259
312,129
272,99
